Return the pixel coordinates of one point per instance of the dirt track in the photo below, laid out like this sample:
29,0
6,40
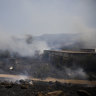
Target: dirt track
18,77
39,88
44,87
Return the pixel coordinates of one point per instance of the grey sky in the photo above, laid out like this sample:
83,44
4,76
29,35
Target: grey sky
38,17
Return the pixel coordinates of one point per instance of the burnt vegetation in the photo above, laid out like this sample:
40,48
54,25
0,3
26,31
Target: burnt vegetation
42,66
44,89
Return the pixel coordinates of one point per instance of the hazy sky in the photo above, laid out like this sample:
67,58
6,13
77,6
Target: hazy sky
38,17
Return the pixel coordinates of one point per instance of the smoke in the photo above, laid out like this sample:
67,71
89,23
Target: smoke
76,73
17,78
25,45
89,38
87,34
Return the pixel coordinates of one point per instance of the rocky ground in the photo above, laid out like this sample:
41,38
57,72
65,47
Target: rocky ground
39,88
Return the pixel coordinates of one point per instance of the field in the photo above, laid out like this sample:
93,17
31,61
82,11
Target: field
41,88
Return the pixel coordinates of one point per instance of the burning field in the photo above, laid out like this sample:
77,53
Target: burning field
32,72
47,87
47,47
38,76
14,78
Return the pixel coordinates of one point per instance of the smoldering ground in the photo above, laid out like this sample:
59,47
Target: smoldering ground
41,69
27,47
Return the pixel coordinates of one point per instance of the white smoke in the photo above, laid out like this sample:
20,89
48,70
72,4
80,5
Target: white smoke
18,44
76,73
89,38
87,35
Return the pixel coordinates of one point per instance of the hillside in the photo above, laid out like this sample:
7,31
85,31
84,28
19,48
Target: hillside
56,41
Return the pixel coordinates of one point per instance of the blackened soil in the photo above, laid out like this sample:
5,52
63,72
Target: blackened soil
43,88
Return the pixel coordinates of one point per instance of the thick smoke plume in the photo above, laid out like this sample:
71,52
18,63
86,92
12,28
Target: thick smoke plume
87,35
24,45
